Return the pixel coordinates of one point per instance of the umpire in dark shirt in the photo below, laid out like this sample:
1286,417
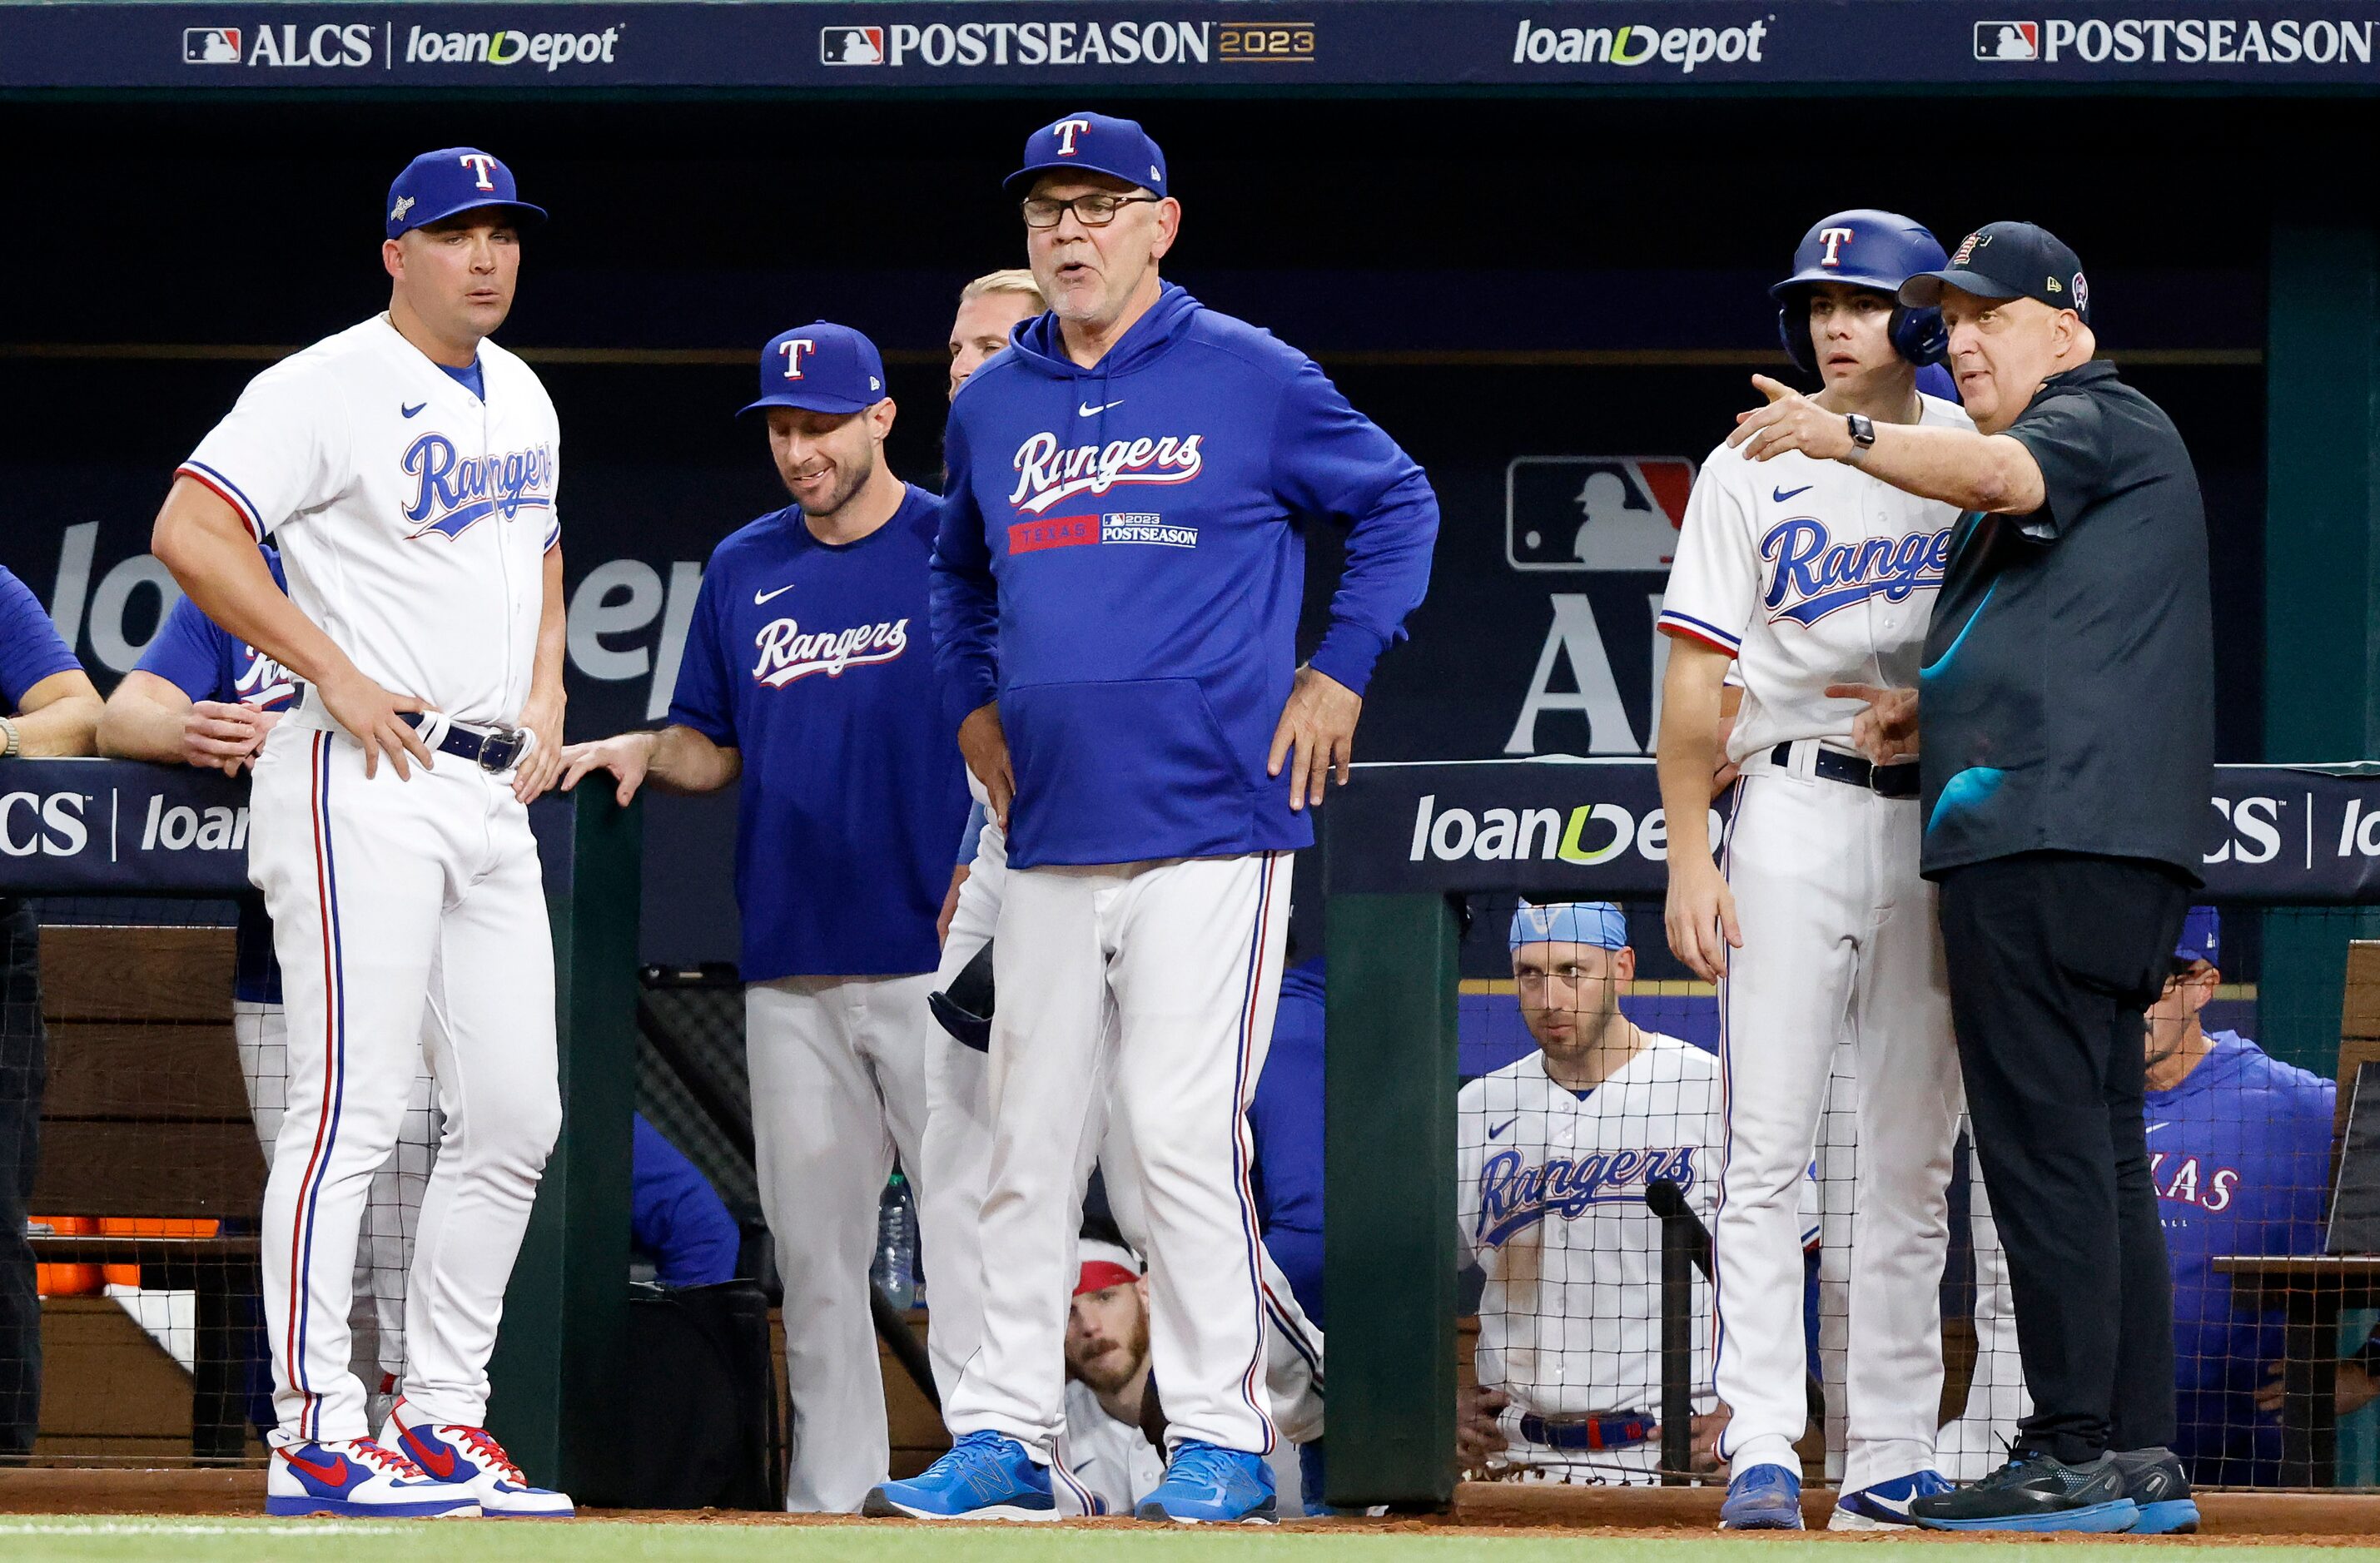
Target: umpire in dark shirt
2066,712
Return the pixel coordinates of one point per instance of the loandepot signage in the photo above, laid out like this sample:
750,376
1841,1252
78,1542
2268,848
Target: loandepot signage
550,50
1631,43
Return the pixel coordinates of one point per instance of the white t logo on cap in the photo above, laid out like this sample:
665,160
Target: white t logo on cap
481,162
1066,129
1834,240
793,351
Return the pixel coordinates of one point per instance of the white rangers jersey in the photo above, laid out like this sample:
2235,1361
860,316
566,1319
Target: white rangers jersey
1808,573
1552,1208
412,516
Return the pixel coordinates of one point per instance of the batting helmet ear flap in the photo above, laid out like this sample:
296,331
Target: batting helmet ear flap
1793,330
1919,335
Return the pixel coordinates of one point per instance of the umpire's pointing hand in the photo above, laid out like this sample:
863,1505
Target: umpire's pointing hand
1316,735
1789,422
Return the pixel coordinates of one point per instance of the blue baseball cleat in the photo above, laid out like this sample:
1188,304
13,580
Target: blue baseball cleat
1884,1506
984,1476
1206,1486
1763,1497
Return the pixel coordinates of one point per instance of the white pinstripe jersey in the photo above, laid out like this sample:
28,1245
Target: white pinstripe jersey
412,516
1808,573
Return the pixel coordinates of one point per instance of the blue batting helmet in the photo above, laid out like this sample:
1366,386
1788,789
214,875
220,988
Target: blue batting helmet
1867,248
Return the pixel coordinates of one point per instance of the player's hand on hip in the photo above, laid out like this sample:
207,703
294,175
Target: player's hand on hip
984,743
541,717
1316,736
1700,917
371,716
626,757
1789,422
220,736
1887,730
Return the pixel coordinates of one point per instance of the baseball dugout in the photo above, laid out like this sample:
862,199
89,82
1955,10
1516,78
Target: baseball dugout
1587,1296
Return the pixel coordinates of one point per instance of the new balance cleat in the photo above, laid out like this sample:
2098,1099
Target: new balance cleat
1207,1484
471,1457
984,1476
2158,1485
2035,1492
1884,1506
357,1479
1762,1497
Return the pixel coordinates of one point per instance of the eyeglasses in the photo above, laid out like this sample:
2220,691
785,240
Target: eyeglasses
1094,211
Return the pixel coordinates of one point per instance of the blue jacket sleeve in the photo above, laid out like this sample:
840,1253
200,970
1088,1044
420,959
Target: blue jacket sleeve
676,1216
701,699
31,650
188,653
965,598
1332,460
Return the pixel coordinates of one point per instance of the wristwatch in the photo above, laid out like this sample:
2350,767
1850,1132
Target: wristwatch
1863,430
11,740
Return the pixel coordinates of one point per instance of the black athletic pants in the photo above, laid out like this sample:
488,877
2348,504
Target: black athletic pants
22,1075
2052,958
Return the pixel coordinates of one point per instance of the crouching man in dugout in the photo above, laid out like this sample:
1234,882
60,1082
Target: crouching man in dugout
1554,1154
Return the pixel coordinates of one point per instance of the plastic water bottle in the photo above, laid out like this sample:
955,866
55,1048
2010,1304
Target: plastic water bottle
896,1268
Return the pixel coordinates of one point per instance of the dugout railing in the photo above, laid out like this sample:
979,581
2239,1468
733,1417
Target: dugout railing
1424,862
87,833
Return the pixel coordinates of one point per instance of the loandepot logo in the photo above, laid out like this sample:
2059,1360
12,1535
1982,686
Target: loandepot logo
1630,45
551,50
1586,835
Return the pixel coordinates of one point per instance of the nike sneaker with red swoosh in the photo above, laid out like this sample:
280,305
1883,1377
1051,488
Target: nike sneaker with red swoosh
471,1457
359,1478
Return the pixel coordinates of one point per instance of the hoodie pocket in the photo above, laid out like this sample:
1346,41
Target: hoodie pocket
1122,772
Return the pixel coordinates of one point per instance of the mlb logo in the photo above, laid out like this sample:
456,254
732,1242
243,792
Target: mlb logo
211,45
1594,513
2008,40
851,45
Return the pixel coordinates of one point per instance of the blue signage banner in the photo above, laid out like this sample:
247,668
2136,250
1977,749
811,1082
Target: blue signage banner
1678,46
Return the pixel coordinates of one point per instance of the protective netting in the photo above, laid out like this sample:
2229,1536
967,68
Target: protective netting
1558,1138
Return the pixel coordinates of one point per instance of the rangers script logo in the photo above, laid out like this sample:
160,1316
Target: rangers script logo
1045,474
1815,575
788,654
1514,1195
452,491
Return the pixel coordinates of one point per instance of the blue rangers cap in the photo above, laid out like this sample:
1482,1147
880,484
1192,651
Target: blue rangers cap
1597,923
1092,143
439,184
821,367
2202,937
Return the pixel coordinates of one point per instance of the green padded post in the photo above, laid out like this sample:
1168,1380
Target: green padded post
1389,1252
2322,575
565,1312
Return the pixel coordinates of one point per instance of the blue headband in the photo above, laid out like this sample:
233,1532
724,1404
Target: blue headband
1597,923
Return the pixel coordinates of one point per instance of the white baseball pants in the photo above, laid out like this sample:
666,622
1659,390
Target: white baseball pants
838,1091
1839,944
385,1250
957,1152
400,909
1160,978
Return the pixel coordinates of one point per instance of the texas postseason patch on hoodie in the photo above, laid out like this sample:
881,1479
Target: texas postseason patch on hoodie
1122,554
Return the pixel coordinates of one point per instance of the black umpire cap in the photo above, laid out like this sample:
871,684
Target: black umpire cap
2007,261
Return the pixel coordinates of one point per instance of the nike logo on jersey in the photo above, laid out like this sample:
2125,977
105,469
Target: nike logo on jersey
412,410
2154,1127
1514,1196
760,597
1086,410
1812,576
1781,495
1497,1131
788,654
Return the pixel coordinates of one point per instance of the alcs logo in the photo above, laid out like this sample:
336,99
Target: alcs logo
51,826
289,46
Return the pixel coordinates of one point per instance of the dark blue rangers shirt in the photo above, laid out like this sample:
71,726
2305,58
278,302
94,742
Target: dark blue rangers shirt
1131,539
206,661
676,1217
1285,1117
31,650
812,658
2239,1153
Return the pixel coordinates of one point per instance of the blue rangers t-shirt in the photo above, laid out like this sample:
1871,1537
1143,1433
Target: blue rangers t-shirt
2239,1153
814,659
206,661
30,648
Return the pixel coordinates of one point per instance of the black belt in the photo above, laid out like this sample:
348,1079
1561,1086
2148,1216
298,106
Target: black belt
490,748
1884,781
1608,1430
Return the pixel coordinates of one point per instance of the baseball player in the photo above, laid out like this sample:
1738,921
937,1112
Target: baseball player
1108,1390
408,468
202,696
1554,1152
1129,482
807,680
1802,576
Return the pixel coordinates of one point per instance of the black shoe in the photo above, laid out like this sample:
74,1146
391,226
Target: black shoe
2035,1492
2155,1483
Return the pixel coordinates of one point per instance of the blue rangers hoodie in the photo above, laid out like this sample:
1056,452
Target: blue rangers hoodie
1122,555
